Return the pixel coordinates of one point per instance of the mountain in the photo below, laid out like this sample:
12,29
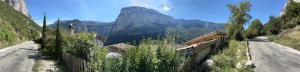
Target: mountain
15,27
101,28
18,5
135,23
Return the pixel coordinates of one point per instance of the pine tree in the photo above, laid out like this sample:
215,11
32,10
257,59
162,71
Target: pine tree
58,50
43,43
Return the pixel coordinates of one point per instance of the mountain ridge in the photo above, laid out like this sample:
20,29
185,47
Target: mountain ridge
135,23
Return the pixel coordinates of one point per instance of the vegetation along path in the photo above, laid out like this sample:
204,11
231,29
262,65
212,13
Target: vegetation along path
18,58
271,57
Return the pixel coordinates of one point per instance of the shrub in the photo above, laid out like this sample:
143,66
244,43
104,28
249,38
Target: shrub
149,56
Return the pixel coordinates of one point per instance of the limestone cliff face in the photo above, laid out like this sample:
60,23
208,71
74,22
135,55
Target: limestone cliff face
19,5
282,11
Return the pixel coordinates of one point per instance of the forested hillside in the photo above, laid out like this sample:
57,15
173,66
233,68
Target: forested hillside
15,27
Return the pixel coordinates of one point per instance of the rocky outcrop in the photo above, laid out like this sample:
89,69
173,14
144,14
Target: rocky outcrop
18,5
136,23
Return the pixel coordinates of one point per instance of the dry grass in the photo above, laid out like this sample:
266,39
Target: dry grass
290,37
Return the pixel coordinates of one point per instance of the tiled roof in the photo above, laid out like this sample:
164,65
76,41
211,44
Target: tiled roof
122,46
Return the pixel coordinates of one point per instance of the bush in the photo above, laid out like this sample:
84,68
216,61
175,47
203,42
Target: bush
227,59
78,44
149,56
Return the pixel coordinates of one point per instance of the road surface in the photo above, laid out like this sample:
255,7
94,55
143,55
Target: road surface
18,58
271,57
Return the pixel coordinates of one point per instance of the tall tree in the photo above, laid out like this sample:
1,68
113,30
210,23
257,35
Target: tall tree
290,15
43,43
58,47
255,29
239,17
274,25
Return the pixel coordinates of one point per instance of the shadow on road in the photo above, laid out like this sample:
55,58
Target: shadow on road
259,40
29,49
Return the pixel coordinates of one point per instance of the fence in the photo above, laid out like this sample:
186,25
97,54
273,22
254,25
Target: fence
76,64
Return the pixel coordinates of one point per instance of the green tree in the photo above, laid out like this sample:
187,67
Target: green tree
43,43
58,50
255,29
239,17
274,25
291,11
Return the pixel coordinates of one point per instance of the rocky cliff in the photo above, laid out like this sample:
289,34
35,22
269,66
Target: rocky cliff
135,23
18,5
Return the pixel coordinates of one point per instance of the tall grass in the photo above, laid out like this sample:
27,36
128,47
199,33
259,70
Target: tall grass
227,60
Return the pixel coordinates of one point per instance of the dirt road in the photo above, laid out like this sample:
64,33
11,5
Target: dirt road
18,58
271,57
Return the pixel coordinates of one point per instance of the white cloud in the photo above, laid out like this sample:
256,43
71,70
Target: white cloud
141,3
166,8
160,5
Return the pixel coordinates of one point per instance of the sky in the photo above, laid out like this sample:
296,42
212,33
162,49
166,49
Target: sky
108,10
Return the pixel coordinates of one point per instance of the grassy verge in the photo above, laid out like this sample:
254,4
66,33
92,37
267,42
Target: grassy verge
290,38
231,59
37,65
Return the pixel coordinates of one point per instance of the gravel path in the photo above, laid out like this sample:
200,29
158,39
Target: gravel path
271,57
18,58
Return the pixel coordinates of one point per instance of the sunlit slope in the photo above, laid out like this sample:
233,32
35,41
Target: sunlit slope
15,27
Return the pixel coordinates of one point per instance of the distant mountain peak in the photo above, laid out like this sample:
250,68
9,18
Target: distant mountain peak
134,23
137,9
135,17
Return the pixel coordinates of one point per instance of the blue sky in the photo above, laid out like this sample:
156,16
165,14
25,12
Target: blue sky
108,10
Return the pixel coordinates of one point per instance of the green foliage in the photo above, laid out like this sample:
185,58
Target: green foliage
239,17
295,21
149,56
58,42
227,59
274,26
291,11
78,44
254,30
44,33
97,57
15,27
